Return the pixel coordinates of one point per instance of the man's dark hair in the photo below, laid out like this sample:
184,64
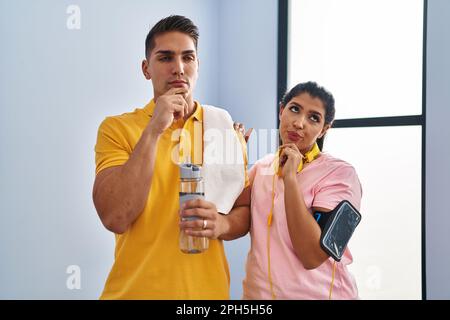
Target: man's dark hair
171,23
315,91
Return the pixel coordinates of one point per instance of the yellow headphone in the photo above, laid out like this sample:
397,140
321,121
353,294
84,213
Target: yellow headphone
308,157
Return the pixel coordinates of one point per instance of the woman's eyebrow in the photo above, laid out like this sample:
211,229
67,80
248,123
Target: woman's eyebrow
297,105
301,107
317,113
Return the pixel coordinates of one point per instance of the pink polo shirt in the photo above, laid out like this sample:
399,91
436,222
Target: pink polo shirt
324,182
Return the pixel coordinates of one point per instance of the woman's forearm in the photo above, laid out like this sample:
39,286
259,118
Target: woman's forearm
237,223
304,231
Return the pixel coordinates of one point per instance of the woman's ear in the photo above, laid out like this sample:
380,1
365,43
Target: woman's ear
281,110
324,130
144,67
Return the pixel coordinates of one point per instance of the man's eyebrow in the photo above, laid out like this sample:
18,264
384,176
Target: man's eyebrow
165,52
170,52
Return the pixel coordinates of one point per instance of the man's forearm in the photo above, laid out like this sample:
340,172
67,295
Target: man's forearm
136,175
123,195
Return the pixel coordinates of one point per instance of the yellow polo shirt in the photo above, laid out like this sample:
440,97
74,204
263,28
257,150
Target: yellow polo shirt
148,262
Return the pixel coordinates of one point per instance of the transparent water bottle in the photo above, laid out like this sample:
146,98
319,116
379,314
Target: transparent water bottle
191,187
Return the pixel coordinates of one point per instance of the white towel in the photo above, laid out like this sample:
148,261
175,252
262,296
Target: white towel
223,160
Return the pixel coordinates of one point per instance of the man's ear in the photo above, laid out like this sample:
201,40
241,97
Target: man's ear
324,130
144,66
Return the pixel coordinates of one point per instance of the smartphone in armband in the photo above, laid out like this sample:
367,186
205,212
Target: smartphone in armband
337,228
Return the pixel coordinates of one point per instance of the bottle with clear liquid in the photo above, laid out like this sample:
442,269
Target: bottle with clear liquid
191,187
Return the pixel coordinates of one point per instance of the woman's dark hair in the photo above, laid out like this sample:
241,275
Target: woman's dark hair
315,91
171,23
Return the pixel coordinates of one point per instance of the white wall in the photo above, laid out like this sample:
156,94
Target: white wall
248,75
438,150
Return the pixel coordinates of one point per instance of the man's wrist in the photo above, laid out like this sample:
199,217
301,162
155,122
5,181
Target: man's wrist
152,132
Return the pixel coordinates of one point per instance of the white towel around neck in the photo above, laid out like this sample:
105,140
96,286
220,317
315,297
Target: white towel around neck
223,160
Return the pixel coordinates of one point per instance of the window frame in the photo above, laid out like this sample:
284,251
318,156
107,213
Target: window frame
420,120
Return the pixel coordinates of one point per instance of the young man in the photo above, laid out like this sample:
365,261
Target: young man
137,177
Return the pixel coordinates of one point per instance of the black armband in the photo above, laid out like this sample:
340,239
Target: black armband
337,228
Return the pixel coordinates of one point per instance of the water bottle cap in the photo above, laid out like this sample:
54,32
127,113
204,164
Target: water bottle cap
190,171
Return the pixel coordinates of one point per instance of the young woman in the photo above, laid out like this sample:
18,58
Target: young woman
286,260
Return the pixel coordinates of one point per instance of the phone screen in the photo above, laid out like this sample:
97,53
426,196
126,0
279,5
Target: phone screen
341,229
